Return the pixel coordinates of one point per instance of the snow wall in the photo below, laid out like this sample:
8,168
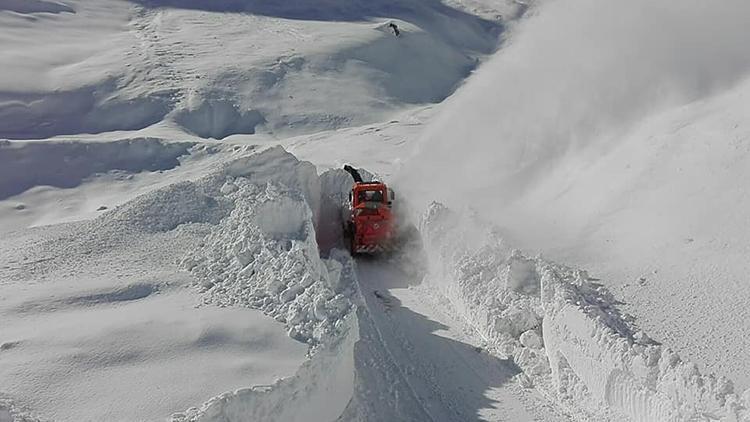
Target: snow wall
565,331
264,254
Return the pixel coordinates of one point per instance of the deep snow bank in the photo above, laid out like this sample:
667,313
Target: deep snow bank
66,164
264,255
35,6
565,332
643,380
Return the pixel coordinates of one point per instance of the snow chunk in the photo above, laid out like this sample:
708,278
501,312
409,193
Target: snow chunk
531,339
521,274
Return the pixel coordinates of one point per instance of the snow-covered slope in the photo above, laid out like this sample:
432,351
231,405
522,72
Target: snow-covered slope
218,68
100,323
614,136
146,271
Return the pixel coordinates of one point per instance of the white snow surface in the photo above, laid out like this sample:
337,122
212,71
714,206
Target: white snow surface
214,69
613,136
99,323
147,272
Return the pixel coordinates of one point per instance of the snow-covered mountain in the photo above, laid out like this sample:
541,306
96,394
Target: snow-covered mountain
170,188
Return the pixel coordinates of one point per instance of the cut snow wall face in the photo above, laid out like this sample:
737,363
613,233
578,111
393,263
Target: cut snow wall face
565,333
265,255
646,382
336,184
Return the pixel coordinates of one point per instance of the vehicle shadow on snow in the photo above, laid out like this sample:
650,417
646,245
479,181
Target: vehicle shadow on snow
405,356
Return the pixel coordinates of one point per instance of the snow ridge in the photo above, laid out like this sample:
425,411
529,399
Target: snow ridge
565,332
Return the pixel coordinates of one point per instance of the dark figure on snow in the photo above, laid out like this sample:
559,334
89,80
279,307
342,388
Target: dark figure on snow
395,29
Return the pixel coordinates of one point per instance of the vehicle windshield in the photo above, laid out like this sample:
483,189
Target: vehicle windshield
371,196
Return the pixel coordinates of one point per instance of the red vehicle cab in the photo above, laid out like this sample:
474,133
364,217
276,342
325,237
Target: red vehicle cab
370,223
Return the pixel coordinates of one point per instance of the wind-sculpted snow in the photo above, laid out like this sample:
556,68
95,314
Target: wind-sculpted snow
89,109
565,331
24,165
35,6
319,391
218,119
231,67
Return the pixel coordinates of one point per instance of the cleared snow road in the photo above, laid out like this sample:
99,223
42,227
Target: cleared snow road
436,357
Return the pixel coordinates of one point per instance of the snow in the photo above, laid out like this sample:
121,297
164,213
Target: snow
264,254
162,254
98,312
71,181
593,360
222,68
320,389
34,6
623,155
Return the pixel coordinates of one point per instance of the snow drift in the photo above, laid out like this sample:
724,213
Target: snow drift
102,299
320,389
565,331
219,68
67,164
35,6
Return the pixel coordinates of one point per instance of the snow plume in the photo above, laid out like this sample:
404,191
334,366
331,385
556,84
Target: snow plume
572,76
565,331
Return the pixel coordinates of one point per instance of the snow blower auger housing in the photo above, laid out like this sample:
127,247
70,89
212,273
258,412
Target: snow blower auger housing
369,221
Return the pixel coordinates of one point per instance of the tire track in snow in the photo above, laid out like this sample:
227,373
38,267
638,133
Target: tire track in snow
389,352
450,378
